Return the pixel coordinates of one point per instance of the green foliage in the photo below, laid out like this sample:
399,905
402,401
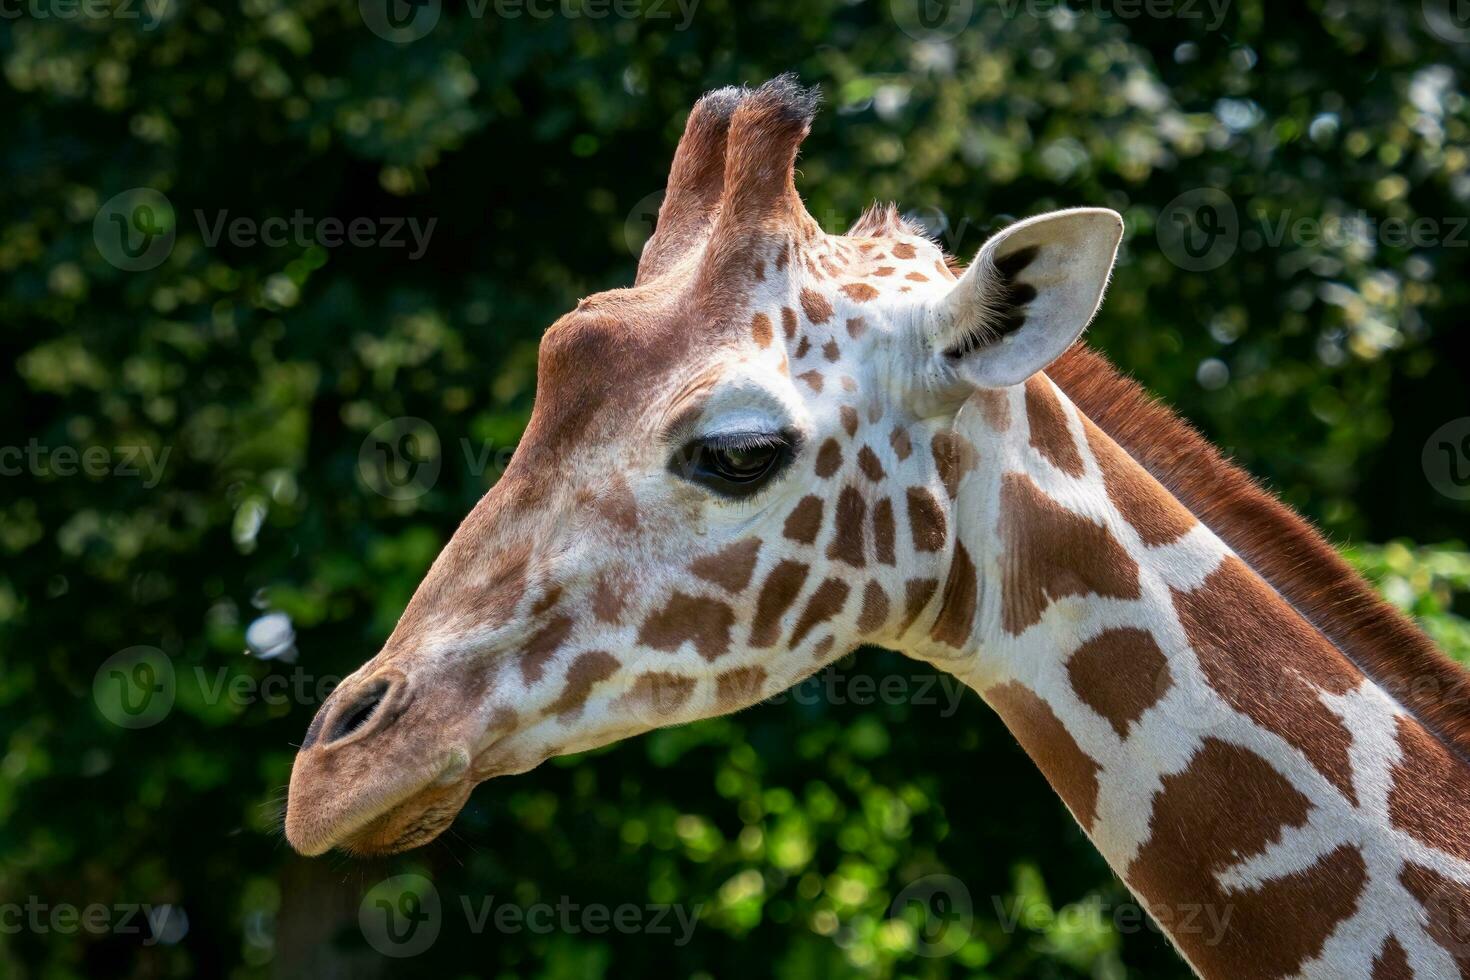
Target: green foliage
241,380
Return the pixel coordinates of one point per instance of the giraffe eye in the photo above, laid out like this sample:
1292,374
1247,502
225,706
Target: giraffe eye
734,465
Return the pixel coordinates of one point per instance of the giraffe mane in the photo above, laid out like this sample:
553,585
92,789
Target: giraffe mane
1280,545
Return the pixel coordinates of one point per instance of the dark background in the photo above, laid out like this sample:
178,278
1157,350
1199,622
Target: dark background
802,828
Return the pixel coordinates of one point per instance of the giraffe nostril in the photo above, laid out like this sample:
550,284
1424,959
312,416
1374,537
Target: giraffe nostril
363,708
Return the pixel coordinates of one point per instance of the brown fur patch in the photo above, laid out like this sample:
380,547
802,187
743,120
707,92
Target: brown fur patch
1227,806
697,620
1120,674
827,601
813,379
1430,794
856,327
1157,517
875,609
665,693
1051,552
917,593
883,532
831,351
995,408
617,505
1049,433
849,420
608,600
1447,910
1072,772
777,595
916,276
762,330
899,440
869,463
583,675
903,250
805,520
740,686
1277,684
961,595
859,292
927,525
954,456
542,646
731,567
1392,963
847,541
829,458
818,308
788,322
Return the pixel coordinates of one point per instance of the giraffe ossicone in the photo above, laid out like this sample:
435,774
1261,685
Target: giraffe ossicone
780,444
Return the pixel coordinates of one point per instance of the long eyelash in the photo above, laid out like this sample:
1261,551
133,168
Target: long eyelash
745,440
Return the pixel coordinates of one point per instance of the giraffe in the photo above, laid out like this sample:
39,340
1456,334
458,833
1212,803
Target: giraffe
781,444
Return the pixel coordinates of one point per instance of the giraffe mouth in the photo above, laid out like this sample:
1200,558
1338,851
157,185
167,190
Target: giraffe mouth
399,818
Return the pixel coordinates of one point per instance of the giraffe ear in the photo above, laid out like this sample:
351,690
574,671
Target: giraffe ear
1028,296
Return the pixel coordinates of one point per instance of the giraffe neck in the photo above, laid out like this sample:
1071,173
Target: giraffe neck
1277,811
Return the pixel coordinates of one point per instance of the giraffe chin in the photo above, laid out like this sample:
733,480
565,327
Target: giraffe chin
412,823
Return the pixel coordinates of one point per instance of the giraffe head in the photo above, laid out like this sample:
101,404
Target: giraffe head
735,472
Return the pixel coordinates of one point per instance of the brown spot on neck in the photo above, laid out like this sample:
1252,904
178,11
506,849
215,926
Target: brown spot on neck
1120,674
1430,798
874,613
961,596
859,292
1151,510
869,463
1227,806
927,526
829,458
788,322
995,408
661,692
954,456
762,330
1392,963
816,306
1049,433
1051,552
740,687
902,445
1268,663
